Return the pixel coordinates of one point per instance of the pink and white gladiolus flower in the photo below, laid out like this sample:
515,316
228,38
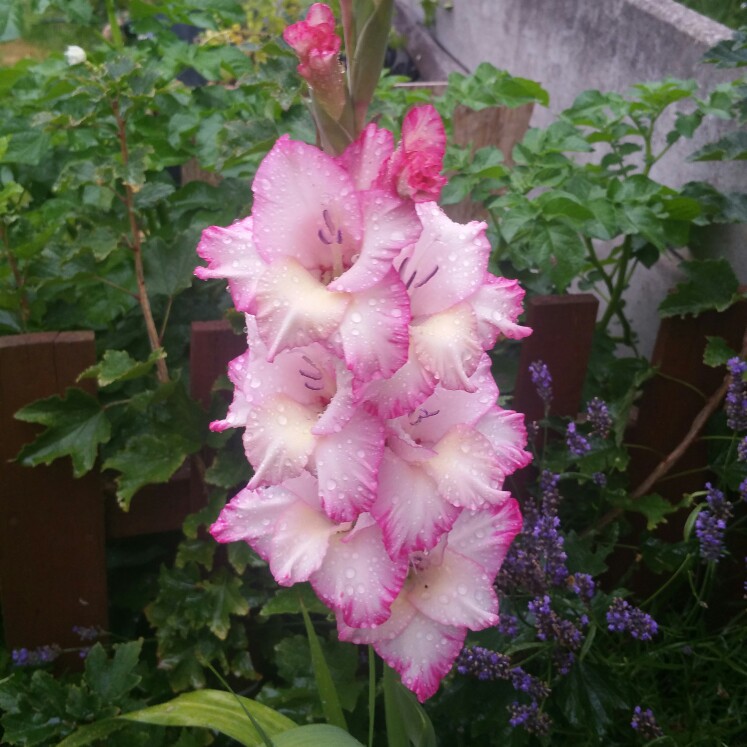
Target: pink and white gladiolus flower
368,409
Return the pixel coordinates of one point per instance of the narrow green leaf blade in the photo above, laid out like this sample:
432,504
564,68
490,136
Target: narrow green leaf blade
327,692
213,709
315,735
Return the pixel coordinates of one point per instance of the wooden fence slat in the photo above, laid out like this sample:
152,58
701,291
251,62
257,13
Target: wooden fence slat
670,400
52,563
563,330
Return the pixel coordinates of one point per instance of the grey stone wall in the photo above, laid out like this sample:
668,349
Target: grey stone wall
570,46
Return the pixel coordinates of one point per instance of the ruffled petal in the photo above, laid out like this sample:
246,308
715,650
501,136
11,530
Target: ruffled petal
365,158
299,543
401,614
347,464
374,329
497,305
294,309
485,536
446,408
305,208
278,440
446,265
457,592
423,653
389,225
411,513
447,346
507,433
404,391
230,253
358,579
466,469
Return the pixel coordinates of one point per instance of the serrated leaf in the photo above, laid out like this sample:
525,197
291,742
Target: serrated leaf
717,352
731,147
729,52
225,599
213,709
228,470
27,147
147,459
152,193
76,425
118,365
113,678
654,508
169,267
711,284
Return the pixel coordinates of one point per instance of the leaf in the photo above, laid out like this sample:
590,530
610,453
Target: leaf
169,266
729,52
406,720
27,147
213,709
76,425
717,352
118,365
289,601
325,685
152,193
315,735
223,598
95,732
115,677
11,20
654,508
731,147
711,284
147,458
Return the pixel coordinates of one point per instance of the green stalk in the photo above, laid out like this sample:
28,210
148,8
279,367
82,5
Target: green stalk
111,13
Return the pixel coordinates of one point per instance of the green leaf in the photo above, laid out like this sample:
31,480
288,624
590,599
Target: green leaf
152,193
213,709
717,352
76,425
11,20
147,458
731,147
711,284
27,147
315,735
654,508
558,204
169,266
95,732
289,601
325,685
406,720
115,677
730,52
118,365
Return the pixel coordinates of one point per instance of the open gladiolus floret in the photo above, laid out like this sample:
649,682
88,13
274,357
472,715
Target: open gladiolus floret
368,409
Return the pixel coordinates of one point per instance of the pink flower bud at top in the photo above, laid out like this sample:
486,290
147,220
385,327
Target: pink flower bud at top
318,49
415,167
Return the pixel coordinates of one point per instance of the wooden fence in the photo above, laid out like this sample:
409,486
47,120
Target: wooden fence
54,529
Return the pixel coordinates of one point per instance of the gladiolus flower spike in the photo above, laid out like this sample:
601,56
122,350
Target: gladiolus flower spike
368,410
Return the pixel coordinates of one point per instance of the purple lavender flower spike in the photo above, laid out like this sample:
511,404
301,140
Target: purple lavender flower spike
483,663
624,618
742,450
577,444
644,722
710,525
599,417
542,381
529,717
736,396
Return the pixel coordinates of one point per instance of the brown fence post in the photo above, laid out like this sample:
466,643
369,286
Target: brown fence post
563,330
52,563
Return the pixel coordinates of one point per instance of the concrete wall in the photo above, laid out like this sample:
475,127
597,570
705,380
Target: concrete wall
570,46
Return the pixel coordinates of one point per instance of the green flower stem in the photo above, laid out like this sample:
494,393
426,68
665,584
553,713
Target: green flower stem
17,277
371,694
137,250
111,13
